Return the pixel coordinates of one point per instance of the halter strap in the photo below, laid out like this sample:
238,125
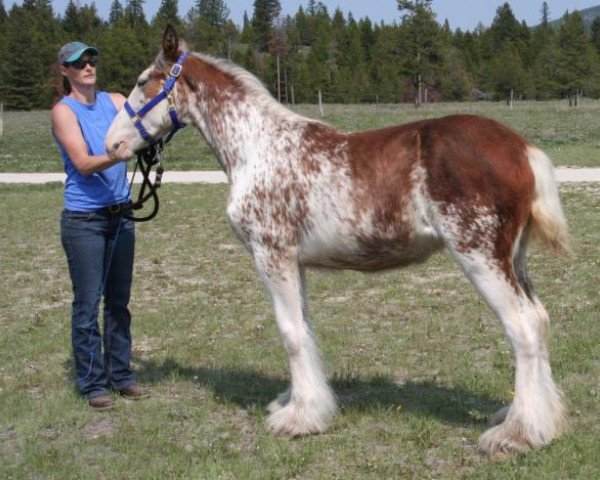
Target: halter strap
165,93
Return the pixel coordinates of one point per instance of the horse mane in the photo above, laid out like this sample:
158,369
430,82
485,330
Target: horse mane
249,82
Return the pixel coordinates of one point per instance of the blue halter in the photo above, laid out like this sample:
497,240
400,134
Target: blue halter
166,92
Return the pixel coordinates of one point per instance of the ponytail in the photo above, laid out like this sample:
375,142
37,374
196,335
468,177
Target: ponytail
66,86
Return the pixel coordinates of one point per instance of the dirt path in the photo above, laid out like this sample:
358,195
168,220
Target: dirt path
563,174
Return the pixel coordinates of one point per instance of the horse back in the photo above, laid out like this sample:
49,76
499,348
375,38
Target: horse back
408,181
455,160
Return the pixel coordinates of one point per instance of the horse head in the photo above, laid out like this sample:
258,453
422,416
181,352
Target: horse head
152,109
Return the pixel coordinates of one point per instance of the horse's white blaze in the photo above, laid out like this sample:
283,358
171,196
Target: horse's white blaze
303,194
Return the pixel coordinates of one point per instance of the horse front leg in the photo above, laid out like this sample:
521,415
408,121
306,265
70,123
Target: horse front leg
309,403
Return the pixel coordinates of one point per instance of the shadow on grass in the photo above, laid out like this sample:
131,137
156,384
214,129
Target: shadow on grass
247,388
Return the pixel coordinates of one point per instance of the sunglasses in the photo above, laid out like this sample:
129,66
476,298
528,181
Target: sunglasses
81,63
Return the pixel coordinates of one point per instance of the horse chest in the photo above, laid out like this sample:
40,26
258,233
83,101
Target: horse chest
265,216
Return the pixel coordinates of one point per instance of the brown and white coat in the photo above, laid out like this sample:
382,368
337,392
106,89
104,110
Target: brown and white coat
305,195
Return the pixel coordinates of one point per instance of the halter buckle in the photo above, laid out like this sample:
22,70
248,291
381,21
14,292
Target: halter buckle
135,118
176,70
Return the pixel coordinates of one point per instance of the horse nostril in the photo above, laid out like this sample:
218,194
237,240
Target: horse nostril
115,145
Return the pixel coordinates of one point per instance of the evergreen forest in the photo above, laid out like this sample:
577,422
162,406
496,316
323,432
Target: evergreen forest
315,52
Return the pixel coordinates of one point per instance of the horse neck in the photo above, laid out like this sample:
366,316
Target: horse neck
235,124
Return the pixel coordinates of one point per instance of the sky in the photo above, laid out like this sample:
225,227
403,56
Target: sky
463,14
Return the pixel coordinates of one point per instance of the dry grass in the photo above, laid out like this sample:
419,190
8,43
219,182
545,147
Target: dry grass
417,360
570,135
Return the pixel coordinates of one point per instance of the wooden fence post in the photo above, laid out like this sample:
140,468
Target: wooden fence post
321,103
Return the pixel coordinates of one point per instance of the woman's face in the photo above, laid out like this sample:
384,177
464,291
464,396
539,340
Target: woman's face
82,71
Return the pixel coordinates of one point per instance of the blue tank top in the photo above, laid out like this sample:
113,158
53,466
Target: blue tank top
86,193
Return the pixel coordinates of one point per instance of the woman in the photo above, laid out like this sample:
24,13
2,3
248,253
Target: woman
98,240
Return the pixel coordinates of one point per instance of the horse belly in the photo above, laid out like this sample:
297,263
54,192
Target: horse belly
356,250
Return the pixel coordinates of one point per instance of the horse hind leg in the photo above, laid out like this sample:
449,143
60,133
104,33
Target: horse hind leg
553,395
536,415
309,403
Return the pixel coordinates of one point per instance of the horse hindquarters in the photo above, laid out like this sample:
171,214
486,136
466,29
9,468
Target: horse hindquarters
490,246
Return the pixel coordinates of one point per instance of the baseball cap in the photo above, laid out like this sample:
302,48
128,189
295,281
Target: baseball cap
73,50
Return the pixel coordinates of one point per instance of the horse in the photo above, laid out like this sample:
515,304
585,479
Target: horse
304,195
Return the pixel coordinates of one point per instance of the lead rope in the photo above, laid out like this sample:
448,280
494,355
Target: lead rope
146,160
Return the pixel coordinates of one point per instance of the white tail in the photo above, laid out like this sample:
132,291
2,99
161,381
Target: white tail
548,222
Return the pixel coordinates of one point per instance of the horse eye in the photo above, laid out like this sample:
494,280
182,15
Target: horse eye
142,82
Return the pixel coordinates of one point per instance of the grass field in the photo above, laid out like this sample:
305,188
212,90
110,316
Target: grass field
417,360
571,136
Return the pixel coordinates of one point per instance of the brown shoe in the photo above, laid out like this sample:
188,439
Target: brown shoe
134,392
101,402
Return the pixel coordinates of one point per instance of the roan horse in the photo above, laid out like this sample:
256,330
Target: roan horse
305,195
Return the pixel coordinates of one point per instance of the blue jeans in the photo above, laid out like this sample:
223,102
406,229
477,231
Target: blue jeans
100,250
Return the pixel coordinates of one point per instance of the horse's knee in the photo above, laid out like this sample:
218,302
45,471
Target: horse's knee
294,340
525,335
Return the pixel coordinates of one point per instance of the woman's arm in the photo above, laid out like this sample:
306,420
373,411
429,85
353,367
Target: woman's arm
67,132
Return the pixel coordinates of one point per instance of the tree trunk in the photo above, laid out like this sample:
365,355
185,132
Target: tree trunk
285,82
278,79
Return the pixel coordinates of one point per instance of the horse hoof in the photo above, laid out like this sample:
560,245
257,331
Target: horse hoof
294,421
502,441
295,417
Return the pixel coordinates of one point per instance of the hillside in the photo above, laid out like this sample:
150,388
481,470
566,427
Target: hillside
588,14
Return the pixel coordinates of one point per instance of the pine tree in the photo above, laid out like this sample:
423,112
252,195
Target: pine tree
595,34
507,73
385,65
545,15
232,37
4,58
207,27
82,23
25,67
545,68
542,44
116,12
2,12
134,13
167,13
214,11
578,61
279,48
456,83
126,52
320,61
367,37
247,36
505,27
265,13
421,41
352,65
302,25
71,20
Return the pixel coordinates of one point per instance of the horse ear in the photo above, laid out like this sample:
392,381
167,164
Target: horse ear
170,43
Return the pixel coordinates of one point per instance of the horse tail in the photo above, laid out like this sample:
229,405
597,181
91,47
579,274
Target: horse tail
547,221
